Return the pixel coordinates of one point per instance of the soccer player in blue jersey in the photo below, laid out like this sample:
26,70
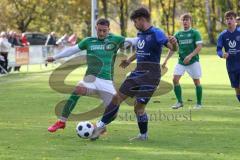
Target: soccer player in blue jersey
229,39
143,81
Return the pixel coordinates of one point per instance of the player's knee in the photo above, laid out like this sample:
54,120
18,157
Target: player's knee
196,82
237,91
139,110
175,81
115,100
80,90
118,99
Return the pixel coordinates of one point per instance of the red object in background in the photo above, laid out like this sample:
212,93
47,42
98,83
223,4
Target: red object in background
22,55
24,40
72,39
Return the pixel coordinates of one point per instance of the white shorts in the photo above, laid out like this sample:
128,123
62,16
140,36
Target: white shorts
104,88
194,70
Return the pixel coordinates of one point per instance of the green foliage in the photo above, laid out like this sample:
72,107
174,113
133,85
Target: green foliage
70,16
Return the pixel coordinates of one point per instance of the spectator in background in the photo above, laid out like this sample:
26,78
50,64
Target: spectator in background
14,40
51,39
1,63
4,49
24,40
63,41
72,40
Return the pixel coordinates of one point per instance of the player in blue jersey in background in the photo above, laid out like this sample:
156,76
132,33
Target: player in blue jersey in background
229,39
143,81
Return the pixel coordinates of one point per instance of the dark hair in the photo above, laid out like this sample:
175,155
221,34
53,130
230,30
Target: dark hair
230,14
103,21
186,16
141,12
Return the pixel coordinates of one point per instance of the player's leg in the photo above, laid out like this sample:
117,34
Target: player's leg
72,101
112,108
237,84
178,72
142,100
195,72
111,111
238,93
143,96
124,92
142,119
109,96
198,93
81,89
107,91
109,115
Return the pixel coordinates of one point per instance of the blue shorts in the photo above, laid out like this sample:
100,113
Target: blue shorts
140,86
234,79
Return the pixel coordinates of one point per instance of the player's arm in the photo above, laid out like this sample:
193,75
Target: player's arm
198,41
174,46
169,55
130,42
127,43
194,53
124,63
65,53
220,53
172,43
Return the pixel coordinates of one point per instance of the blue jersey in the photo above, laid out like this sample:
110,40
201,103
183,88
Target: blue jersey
230,41
148,52
149,45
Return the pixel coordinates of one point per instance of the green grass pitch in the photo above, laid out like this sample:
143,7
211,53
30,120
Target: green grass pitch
212,133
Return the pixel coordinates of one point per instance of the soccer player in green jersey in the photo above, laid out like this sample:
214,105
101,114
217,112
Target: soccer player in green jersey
96,81
190,44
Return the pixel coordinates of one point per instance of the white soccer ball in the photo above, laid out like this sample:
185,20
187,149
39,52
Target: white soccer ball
84,129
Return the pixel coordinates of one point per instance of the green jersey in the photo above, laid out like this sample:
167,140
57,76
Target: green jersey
101,55
187,41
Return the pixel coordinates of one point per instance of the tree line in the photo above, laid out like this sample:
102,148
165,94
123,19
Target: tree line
75,15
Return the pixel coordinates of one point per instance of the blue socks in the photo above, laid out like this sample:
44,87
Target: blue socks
142,123
110,113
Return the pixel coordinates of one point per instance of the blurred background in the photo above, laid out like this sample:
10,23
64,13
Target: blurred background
74,16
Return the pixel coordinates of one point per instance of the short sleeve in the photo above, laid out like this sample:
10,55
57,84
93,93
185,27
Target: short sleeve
120,39
176,35
83,44
220,40
198,39
161,37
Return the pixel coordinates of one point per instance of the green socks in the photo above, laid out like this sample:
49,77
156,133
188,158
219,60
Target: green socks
178,93
69,106
199,94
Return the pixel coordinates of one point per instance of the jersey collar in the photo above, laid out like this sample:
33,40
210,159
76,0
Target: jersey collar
232,31
187,30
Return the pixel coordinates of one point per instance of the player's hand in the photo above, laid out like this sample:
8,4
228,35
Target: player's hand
50,59
225,55
172,39
164,65
187,59
124,63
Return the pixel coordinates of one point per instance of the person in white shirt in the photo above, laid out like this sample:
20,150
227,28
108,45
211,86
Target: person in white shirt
4,49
